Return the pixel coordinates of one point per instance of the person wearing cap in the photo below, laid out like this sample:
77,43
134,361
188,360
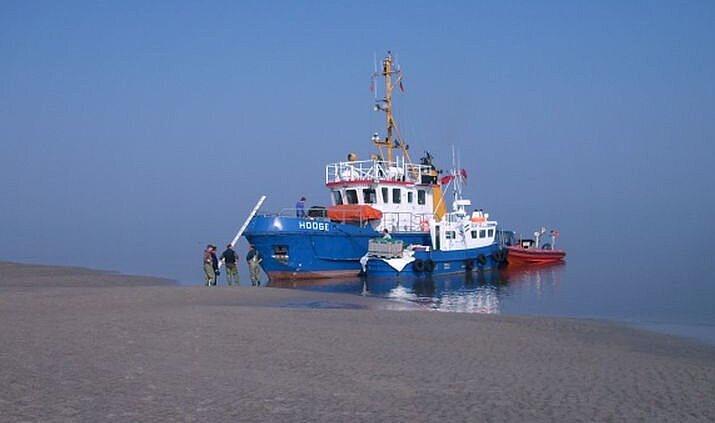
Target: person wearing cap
254,259
209,269
231,260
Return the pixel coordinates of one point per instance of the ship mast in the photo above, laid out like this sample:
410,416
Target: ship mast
385,105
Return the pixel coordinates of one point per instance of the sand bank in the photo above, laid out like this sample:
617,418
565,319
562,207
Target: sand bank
73,350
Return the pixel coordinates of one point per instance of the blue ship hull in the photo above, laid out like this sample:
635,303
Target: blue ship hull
304,248
437,262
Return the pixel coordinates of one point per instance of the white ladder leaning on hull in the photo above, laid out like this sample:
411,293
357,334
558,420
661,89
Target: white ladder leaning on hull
245,224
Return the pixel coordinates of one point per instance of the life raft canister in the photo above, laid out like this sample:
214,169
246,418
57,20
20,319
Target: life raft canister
424,225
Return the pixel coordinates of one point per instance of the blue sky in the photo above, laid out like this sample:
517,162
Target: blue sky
133,133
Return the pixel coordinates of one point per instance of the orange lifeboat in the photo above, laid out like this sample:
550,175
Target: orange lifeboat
353,213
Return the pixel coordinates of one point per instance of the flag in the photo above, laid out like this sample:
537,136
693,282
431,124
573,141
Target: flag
463,173
446,179
402,88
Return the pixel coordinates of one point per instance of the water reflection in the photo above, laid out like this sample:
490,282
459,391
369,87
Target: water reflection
481,292
470,293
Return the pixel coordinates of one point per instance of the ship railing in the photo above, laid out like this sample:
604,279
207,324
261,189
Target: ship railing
406,221
393,221
316,213
376,170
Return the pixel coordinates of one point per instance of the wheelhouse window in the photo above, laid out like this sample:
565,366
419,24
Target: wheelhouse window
450,234
410,197
385,198
396,196
337,198
482,233
421,196
490,233
351,196
474,234
369,196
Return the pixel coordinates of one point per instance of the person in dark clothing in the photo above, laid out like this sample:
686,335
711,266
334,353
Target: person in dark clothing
254,259
300,207
214,264
231,260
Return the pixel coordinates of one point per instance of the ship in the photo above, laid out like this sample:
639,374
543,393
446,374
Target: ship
528,251
460,242
387,191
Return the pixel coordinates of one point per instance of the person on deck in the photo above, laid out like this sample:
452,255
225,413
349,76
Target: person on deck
300,207
386,235
231,260
209,270
254,259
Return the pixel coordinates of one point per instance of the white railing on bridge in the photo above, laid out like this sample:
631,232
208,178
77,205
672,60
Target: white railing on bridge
375,170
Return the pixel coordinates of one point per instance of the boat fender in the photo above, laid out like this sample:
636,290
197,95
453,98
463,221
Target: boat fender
424,225
499,256
482,259
429,265
468,264
418,265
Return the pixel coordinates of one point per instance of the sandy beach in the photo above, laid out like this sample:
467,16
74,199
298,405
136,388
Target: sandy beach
83,345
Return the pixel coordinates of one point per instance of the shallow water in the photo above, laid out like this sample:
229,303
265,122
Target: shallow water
571,289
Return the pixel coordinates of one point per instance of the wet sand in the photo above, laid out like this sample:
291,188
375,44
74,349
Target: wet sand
82,345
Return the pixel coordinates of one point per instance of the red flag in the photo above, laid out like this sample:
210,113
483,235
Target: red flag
463,173
446,179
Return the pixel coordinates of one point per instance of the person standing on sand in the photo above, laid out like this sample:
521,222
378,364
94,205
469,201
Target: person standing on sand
214,263
209,270
254,259
300,207
229,257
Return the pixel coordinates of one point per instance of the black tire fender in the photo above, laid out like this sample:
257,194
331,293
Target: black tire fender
418,265
429,265
482,259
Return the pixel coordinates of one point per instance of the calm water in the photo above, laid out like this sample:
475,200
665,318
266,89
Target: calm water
652,296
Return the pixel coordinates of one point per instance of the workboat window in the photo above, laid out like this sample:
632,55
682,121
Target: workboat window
396,196
410,197
474,234
351,196
450,234
337,198
368,195
385,198
420,196
491,233
482,233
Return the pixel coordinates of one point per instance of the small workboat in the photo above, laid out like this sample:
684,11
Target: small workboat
527,251
461,242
